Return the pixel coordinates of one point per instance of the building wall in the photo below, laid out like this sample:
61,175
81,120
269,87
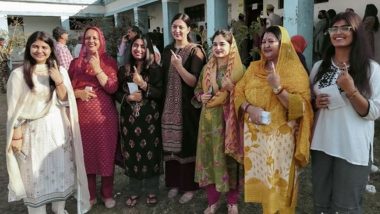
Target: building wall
235,7
38,23
48,9
155,16
337,5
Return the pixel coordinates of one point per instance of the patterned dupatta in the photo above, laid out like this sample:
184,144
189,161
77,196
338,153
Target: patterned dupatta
233,141
295,80
172,121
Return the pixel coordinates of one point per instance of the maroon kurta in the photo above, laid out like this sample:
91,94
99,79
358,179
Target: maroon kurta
98,117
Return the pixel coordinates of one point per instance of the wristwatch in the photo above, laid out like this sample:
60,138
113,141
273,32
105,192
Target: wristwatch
277,90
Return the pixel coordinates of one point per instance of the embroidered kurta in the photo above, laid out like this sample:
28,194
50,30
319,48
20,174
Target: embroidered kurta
213,166
190,114
50,166
97,117
272,153
140,125
219,147
342,132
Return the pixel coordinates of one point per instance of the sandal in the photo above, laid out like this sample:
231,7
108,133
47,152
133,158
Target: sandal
151,200
186,197
132,201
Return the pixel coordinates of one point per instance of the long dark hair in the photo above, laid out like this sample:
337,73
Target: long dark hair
359,54
149,53
371,11
185,18
29,61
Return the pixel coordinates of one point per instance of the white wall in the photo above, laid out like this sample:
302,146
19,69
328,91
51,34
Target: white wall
237,6
47,9
155,15
40,23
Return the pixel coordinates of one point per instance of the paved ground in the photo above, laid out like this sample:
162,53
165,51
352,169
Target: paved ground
371,202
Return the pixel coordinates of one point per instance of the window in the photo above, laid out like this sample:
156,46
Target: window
196,13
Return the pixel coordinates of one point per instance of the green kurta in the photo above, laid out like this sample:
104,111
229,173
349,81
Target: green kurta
213,166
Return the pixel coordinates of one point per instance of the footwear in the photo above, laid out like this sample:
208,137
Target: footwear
186,197
374,168
132,201
109,203
233,209
93,202
211,209
151,200
173,192
370,189
64,212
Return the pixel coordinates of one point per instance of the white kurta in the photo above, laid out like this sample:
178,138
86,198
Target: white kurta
342,132
50,166
46,164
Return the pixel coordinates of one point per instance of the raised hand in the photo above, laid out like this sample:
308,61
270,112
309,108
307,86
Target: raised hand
137,78
95,64
345,80
55,75
273,78
176,60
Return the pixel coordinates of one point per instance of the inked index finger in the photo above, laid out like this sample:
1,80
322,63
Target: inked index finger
173,54
55,65
97,54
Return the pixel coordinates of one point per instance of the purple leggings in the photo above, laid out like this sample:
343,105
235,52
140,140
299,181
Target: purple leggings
213,195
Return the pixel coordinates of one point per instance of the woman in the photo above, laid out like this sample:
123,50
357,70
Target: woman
371,26
182,64
140,95
123,55
273,150
347,96
218,132
43,141
94,78
299,43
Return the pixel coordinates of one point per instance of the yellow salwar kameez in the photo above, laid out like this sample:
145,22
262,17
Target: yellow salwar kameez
273,153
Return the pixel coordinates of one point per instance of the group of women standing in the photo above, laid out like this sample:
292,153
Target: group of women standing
205,120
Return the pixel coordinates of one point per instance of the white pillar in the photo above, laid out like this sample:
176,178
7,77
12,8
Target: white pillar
169,9
217,16
65,22
298,19
116,18
3,26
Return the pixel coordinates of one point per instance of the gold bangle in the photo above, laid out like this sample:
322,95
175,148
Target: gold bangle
99,73
277,90
353,94
17,138
246,107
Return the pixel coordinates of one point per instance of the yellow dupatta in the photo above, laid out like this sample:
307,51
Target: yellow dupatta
254,89
235,71
294,80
